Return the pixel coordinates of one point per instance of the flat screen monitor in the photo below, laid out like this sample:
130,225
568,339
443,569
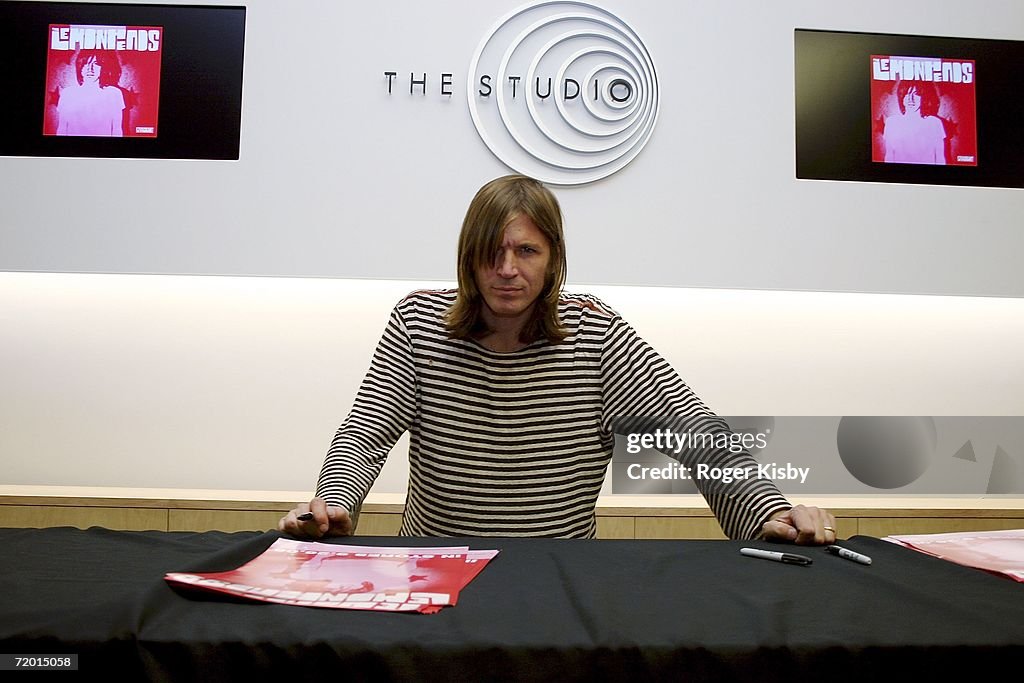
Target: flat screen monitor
909,109
122,80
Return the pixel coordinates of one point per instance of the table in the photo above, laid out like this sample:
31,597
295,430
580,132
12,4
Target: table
542,610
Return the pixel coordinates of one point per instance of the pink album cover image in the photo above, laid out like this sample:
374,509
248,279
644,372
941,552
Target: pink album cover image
923,111
312,574
102,81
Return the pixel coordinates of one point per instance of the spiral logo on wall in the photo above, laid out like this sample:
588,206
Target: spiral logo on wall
565,92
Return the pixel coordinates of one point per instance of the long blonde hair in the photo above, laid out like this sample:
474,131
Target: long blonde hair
494,206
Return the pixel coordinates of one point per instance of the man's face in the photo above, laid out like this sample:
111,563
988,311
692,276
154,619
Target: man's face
515,278
91,70
912,101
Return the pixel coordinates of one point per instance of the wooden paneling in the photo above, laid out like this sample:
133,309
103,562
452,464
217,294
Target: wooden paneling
708,528
378,524
908,525
194,511
616,527
120,518
222,520
678,527
847,526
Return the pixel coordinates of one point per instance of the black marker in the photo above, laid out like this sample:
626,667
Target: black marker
305,517
848,554
785,558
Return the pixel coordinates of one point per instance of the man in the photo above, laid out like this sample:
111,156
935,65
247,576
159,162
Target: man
512,391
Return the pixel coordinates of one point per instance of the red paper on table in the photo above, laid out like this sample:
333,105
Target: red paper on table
999,552
311,574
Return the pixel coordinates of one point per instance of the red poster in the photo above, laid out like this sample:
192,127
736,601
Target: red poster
999,552
103,80
923,111
311,574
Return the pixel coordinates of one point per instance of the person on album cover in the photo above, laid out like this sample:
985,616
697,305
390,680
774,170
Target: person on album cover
916,135
94,107
512,391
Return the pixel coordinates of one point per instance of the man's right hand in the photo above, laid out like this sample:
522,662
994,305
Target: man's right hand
327,520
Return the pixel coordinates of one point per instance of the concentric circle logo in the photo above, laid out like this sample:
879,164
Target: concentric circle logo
565,92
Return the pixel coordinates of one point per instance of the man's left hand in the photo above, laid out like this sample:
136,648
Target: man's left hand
801,525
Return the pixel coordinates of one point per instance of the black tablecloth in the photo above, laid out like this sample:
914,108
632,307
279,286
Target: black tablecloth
542,610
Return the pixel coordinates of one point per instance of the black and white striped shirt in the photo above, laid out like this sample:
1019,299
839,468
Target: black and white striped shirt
517,444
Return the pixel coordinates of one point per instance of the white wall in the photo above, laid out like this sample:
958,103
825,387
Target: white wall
239,383
331,165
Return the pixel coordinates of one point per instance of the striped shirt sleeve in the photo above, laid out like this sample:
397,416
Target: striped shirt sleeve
642,393
384,408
